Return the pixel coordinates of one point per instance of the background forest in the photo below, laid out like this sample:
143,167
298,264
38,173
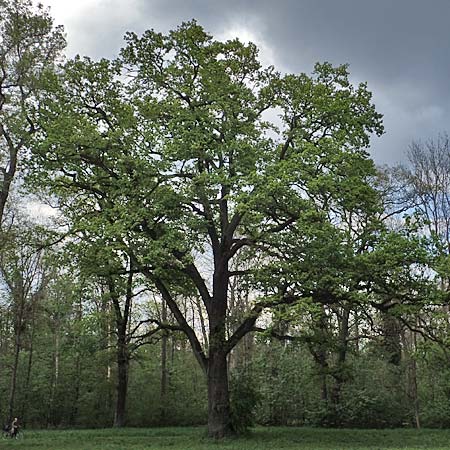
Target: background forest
189,237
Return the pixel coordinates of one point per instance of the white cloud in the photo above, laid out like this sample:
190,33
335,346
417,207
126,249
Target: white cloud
266,52
94,27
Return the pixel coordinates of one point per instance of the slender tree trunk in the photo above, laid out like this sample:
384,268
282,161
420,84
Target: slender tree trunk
414,392
164,371
29,367
3,337
409,342
324,387
110,382
108,333
13,384
77,383
202,322
17,347
51,416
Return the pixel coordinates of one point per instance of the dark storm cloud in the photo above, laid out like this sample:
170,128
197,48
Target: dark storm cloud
400,47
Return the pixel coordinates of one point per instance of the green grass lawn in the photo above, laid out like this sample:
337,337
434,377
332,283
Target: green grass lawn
258,439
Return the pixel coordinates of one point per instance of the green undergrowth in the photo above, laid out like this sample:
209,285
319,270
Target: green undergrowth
269,438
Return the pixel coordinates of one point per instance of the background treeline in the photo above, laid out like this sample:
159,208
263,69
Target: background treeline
201,262
66,374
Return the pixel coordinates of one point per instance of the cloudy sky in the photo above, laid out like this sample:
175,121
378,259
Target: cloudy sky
400,47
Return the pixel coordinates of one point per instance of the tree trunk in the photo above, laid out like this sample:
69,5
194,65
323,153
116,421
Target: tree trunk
219,412
122,385
414,392
410,342
76,387
18,327
164,371
77,381
318,349
4,321
219,417
8,173
12,390
392,349
339,373
202,321
29,368
52,417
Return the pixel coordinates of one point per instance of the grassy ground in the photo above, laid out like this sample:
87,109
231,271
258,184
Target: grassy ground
259,439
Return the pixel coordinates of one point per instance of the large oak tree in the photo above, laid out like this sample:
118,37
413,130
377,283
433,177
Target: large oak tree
167,153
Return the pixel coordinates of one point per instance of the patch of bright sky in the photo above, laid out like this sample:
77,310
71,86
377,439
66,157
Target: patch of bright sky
244,34
88,24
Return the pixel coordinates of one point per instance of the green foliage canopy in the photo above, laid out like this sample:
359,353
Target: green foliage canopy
169,149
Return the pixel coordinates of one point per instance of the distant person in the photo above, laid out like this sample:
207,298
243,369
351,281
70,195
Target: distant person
14,427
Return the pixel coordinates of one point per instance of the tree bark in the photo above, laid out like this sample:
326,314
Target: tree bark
410,342
219,416
52,418
122,385
29,368
18,328
77,382
219,411
164,371
76,387
12,390
392,348
123,355
339,373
